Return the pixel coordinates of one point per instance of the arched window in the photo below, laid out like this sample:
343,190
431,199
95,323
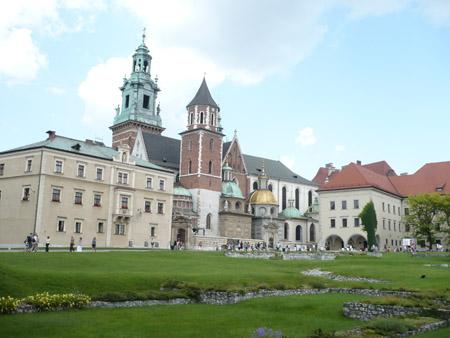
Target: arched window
312,233
262,211
190,167
211,144
310,198
212,119
208,221
210,167
298,233
238,205
297,198
255,185
272,211
191,118
124,157
286,231
283,198
201,118
270,187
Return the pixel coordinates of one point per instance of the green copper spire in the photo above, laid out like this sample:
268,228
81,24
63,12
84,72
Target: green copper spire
139,91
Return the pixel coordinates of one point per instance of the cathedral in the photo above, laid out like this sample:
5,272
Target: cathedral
220,194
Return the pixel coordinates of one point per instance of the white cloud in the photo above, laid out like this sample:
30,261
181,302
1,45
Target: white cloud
55,90
20,57
306,137
339,148
288,161
436,11
362,8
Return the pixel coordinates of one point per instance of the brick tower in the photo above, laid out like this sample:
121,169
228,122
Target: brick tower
201,158
138,110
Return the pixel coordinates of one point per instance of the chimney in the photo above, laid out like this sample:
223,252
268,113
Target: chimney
403,174
88,141
331,169
358,162
51,134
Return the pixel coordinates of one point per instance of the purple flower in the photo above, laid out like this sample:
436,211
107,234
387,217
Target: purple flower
260,332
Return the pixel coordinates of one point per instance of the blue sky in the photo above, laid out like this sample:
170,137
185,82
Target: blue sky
309,82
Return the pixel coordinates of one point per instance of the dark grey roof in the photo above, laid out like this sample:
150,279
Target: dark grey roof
226,146
162,150
203,97
274,169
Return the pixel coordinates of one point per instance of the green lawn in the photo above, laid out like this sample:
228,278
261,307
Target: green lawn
295,316
22,274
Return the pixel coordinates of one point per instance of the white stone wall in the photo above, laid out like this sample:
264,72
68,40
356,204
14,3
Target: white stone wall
205,202
363,195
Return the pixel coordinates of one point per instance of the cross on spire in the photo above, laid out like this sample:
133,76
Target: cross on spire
143,36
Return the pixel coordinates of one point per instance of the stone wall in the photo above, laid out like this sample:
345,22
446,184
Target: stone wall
363,311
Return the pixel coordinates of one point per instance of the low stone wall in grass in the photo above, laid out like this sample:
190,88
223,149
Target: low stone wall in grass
251,255
363,311
425,328
309,256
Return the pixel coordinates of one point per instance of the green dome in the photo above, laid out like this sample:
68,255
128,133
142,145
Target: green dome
291,213
181,191
231,189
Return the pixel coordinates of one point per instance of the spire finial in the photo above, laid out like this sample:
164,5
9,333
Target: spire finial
263,171
143,36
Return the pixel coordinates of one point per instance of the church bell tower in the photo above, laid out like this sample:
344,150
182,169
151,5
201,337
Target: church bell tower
201,158
138,109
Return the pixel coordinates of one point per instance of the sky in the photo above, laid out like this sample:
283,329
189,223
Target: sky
304,82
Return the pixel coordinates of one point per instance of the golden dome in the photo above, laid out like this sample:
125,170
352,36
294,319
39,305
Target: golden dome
263,197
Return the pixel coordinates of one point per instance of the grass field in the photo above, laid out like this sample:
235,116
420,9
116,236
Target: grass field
129,274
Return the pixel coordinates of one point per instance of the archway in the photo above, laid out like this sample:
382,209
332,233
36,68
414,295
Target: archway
357,242
271,242
181,235
298,233
334,243
312,233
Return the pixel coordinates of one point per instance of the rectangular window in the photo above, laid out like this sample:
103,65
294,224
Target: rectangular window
406,211
26,194
162,185
356,222
384,224
99,174
149,183
332,205
355,204
59,166
122,178
97,200
61,225
78,197
395,226
344,205
127,101
28,165
120,229
2,169
146,102
100,227
382,205
399,211
389,208
124,202
389,225
393,209
160,208
332,223
80,170
56,195
78,227
148,206
344,222
152,231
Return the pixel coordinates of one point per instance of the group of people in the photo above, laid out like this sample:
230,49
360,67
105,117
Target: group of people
32,244
177,245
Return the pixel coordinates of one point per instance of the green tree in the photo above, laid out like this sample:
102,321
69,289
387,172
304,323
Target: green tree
369,220
423,216
444,213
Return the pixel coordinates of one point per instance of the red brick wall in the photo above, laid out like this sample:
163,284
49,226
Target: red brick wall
235,160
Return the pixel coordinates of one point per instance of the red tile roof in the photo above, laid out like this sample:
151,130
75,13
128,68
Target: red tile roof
322,175
380,175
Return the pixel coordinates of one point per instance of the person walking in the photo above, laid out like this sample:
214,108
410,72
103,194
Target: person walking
47,244
34,243
72,244
80,245
94,244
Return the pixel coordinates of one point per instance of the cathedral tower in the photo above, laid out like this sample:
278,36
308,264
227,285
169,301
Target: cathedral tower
138,108
201,157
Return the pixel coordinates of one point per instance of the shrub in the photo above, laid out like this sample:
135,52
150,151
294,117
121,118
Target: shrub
390,326
8,304
47,302
322,334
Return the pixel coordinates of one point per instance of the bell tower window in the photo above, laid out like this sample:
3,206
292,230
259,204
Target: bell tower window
127,101
201,118
146,102
212,119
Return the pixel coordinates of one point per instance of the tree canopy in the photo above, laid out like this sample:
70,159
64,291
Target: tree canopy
369,221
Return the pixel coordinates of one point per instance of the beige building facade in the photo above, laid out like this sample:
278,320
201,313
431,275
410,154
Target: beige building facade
63,187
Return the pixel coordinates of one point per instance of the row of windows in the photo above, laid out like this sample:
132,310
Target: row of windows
299,232
145,101
392,225
344,205
383,207
210,167
201,118
344,222
119,229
